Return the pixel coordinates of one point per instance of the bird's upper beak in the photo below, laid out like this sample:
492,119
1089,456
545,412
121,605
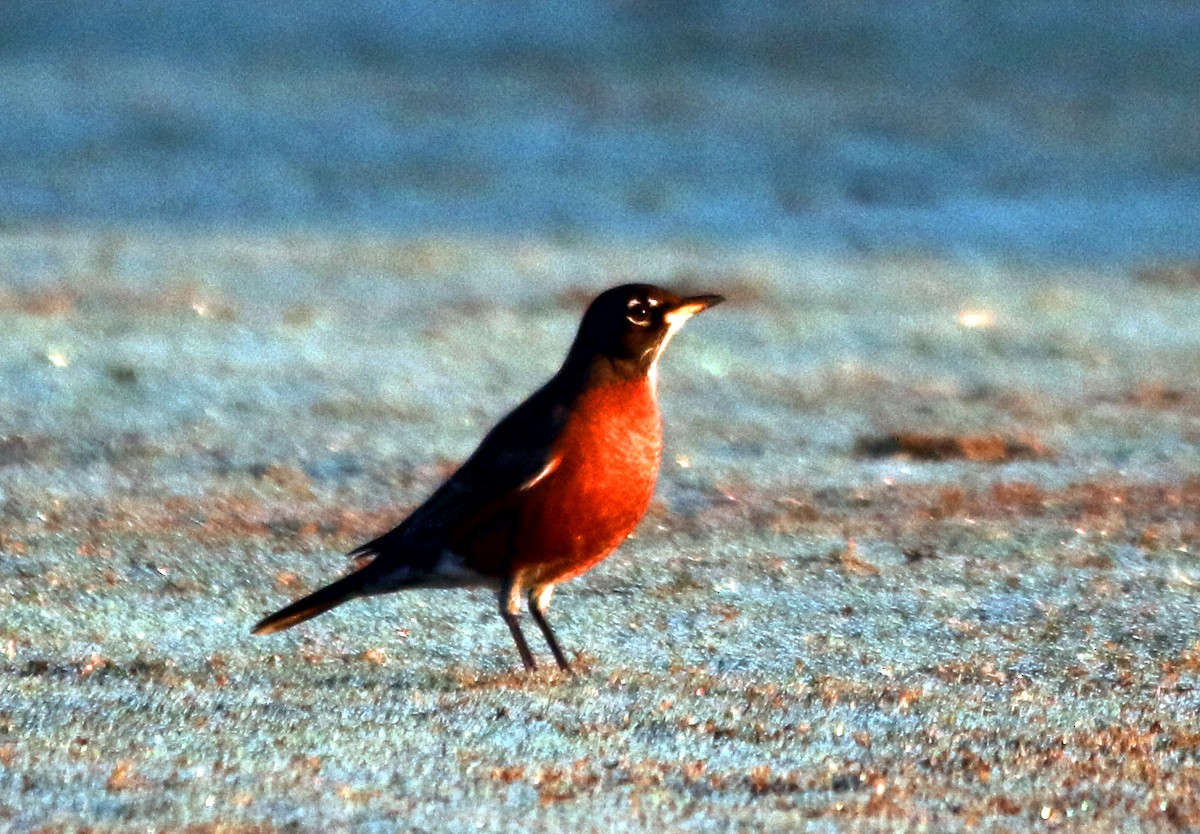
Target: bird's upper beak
690,306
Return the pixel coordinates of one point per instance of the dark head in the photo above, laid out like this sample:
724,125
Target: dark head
629,326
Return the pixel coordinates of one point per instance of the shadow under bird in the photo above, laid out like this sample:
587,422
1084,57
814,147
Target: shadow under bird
551,491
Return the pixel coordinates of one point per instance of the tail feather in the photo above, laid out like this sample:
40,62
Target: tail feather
318,602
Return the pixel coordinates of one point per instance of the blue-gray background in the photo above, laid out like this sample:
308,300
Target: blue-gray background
1052,131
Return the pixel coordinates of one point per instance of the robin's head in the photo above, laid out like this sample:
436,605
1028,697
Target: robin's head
630,326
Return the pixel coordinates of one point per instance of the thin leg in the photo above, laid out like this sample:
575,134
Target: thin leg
539,601
510,607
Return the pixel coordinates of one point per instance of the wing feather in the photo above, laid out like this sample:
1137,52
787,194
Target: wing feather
514,456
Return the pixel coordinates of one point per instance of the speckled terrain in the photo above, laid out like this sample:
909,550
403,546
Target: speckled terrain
822,623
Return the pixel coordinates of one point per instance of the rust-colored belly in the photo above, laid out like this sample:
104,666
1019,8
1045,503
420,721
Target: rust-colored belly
608,459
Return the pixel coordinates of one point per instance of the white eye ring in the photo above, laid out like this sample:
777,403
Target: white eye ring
639,314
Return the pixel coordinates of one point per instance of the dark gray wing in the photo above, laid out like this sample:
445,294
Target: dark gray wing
516,452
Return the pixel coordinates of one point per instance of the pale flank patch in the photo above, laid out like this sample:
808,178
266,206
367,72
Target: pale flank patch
452,570
541,600
512,600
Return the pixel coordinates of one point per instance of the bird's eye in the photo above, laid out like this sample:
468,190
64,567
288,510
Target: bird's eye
639,313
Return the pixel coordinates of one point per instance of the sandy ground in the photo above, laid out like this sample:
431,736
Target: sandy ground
922,554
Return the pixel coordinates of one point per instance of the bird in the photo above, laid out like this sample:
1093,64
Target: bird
552,490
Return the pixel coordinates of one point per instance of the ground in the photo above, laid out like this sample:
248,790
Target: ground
921,556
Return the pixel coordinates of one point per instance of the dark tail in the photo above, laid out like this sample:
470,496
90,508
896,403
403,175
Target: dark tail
318,602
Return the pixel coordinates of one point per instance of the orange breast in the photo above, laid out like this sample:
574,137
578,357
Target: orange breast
608,459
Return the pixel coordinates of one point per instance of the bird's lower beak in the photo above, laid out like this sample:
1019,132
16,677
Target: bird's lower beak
690,306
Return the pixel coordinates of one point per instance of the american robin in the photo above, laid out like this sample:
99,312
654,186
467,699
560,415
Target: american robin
551,491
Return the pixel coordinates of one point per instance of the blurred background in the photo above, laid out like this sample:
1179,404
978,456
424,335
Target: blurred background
1037,130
